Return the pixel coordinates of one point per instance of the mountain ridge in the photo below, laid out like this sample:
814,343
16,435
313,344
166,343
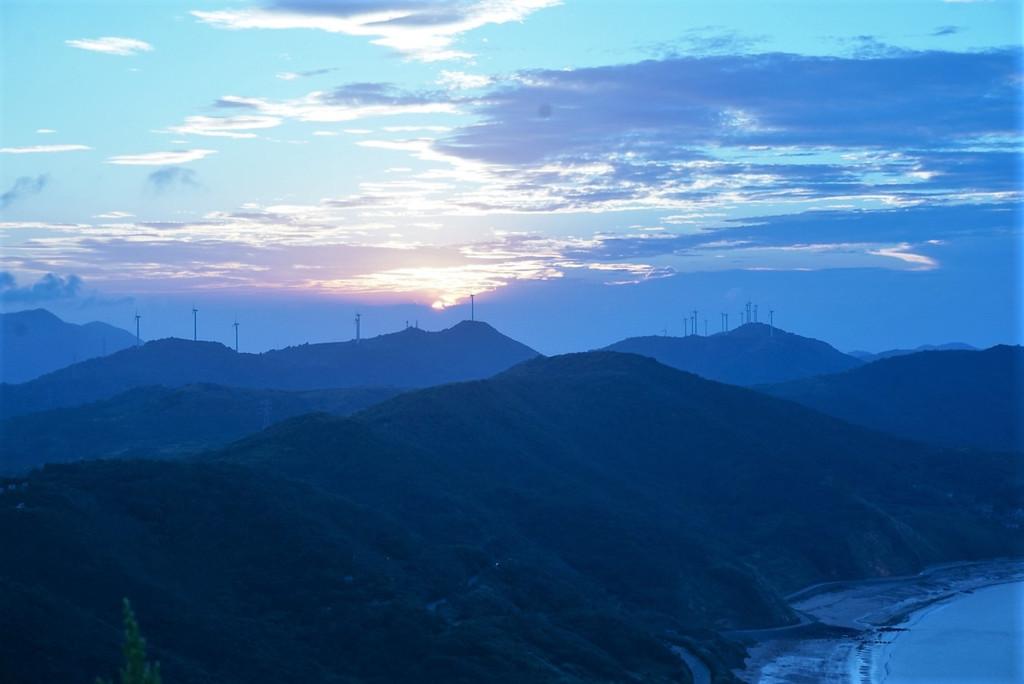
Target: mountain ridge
405,359
753,353
36,342
955,398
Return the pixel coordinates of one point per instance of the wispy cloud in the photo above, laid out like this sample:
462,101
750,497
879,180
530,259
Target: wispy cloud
171,177
161,158
292,76
35,149
419,30
124,47
26,185
225,126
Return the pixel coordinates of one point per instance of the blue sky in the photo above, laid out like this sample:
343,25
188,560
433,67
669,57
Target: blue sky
590,170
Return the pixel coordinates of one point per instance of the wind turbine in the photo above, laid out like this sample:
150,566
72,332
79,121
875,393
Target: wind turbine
771,321
358,316
236,335
472,312
195,328
137,338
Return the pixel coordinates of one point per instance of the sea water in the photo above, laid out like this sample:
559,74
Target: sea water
977,637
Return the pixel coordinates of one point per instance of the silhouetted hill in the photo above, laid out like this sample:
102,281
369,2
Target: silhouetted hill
952,398
164,421
548,524
748,355
689,498
411,358
36,342
868,357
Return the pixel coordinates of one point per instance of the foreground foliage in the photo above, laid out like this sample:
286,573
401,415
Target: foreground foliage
136,670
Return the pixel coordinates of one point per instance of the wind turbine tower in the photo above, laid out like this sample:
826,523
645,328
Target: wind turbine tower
694,321
472,310
771,321
748,312
195,328
236,336
138,340
358,316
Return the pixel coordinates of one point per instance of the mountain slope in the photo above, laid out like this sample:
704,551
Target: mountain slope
553,523
36,342
952,398
238,577
411,358
164,421
677,493
748,355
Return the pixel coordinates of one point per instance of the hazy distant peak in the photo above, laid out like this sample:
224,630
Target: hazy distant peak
36,342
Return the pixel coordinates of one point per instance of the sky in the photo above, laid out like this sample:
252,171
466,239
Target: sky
588,170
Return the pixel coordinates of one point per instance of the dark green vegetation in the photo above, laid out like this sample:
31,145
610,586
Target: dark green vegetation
37,342
411,358
137,669
554,523
951,398
164,422
748,355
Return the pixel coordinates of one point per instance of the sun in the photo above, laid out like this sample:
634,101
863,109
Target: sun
438,305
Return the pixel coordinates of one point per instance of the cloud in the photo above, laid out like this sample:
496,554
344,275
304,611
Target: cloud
347,103
124,47
225,126
946,30
417,29
23,186
459,80
43,148
291,76
161,158
172,176
689,132
47,289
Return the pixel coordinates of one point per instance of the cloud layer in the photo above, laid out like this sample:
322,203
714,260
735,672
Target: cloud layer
420,29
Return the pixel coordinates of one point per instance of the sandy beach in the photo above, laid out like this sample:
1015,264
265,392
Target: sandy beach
849,627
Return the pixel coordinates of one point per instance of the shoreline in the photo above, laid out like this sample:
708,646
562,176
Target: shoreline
851,626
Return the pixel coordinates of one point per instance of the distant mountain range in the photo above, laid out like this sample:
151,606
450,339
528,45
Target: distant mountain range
951,398
36,342
557,522
867,357
411,358
751,354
